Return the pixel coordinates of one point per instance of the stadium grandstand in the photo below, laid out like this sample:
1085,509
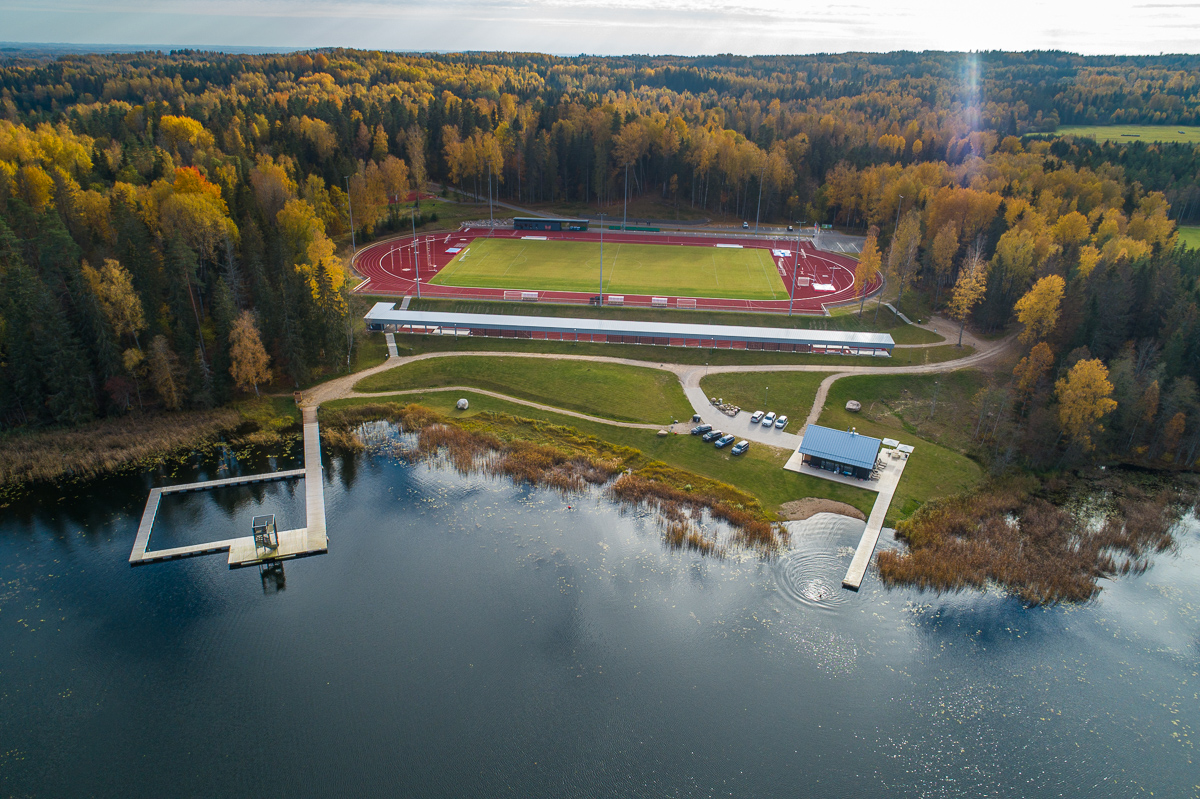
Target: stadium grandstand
385,316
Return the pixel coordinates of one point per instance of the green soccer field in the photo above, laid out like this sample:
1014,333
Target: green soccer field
657,269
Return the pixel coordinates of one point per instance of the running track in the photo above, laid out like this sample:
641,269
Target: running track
389,269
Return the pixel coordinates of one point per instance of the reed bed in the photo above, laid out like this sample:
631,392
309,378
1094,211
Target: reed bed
107,446
554,456
1045,552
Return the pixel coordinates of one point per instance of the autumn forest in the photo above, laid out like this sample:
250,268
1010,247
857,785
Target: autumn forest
175,226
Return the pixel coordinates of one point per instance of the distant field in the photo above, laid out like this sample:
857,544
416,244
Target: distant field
1190,236
1128,133
658,269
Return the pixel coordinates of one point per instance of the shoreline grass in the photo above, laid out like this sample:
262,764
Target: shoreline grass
56,454
1046,542
758,473
564,458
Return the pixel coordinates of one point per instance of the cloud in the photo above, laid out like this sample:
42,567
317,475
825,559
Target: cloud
684,27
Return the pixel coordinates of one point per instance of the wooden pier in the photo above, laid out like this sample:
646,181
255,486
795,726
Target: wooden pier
307,540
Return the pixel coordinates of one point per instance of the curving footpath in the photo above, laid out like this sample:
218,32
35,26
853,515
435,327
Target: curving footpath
689,376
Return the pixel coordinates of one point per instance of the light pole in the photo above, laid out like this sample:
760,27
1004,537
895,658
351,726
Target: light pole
625,218
491,216
762,175
766,401
412,217
899,205
601,260
795,268
350,205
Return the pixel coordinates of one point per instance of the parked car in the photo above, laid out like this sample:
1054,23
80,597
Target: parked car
701,429
789,228
756,418
595,299
769,419
725,441
712,435
781,422
740,447
745,226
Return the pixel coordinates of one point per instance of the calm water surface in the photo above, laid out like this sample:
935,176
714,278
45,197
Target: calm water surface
469,637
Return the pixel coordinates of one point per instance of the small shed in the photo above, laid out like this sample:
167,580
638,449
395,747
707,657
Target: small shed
839,451
266,537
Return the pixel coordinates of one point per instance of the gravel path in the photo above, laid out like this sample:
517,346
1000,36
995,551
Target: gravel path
689,377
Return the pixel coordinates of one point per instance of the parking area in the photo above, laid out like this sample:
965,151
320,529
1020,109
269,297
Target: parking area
741,426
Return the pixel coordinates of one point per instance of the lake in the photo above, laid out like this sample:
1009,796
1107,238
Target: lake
468,637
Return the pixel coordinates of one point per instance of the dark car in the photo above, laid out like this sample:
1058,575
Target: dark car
701,429
712,435
725,441
595,299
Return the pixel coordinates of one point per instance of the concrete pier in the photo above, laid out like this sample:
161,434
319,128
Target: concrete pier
308,540
870,537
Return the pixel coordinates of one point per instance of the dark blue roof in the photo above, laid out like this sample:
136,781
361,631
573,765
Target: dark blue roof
840,446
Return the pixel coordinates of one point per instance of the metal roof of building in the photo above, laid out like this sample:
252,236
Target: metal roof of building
840,446
386,313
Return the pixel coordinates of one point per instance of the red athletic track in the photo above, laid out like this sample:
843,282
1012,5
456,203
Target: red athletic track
388,267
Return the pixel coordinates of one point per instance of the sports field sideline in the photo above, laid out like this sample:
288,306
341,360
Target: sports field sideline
658,269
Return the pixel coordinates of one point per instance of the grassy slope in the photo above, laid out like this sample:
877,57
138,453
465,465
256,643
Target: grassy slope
1146,133
628,268
888,322
790,393
612,391
758,472
417,344
1190,236
898,406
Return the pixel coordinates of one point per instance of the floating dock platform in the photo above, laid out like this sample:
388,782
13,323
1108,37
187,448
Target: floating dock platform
302,542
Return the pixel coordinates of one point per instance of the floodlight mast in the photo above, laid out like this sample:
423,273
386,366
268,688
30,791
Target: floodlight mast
602,260
795,268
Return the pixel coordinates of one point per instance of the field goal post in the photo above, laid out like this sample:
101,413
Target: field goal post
686,303
521,296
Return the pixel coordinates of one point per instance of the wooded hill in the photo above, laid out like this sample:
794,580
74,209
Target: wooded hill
167,223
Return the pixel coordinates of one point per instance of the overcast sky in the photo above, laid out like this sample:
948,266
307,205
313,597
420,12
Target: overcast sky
606,27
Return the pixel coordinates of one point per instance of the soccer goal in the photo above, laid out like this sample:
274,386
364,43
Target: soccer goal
684,303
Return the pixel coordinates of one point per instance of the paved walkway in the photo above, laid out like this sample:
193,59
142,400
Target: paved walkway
689,377
870,537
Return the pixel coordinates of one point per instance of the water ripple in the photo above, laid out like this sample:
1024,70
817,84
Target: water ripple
810,573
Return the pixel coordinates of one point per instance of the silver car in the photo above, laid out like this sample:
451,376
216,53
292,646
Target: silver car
769,419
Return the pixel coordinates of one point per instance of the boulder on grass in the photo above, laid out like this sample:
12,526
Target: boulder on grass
462,404
854,406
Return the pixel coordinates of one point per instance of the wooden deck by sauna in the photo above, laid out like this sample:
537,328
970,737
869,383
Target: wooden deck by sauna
308,540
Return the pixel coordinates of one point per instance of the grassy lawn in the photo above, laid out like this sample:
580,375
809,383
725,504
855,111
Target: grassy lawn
759,472
898,406
409,344
628,269
842,319
1189,236
612,391
1127,133
787,393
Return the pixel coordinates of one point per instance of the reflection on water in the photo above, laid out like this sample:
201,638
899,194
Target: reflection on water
821,548
468,637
